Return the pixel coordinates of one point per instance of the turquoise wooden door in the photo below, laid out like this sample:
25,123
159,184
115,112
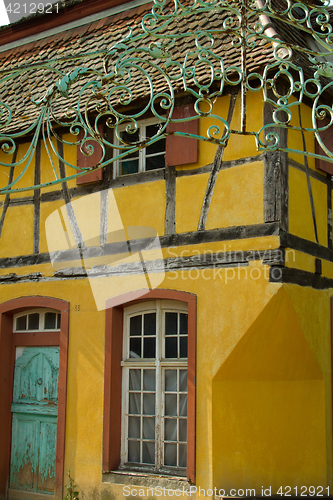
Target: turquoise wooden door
34,426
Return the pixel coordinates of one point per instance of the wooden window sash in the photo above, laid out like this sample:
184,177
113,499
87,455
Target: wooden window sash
159,364
113,375
178,150
143,124
41,313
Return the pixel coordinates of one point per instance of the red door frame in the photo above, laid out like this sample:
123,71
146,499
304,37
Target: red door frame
8,342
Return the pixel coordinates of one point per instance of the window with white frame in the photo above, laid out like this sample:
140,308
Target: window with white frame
150,158
37,320
154,434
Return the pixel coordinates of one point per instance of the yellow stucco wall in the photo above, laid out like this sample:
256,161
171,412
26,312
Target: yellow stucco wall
263,397
20,241
300,213
273,392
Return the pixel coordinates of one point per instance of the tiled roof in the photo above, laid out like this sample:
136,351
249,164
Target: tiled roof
65,51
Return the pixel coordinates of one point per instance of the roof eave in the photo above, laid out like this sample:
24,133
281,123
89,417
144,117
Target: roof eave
67,14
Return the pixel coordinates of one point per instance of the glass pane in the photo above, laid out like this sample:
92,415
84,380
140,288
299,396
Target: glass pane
33,321
152,130
171,323
135,403
170,429
183,405
183,347
58,321
183,430
170,454
135,380
183,324
129,138
148,453
155,162
134,451
170,380
149,380
182,455
183,380
148,428
170,405
157,147
171,347
149,404
149,324
50,321
129,156
149,347
135,325
129,167
134,427
135,347
21,323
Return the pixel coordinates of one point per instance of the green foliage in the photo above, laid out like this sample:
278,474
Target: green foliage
71,487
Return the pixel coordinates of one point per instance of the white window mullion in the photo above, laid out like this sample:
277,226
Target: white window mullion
41,321
159,422
141,151
178,406
158,426
141,415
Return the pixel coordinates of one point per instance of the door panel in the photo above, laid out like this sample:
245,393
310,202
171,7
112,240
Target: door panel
47,453
36,376
34,429
24,454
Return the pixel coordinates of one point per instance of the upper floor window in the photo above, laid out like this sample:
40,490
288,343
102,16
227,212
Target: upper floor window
174,150
155,387
37,320
150,158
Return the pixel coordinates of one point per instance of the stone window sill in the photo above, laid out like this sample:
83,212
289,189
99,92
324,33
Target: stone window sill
132,478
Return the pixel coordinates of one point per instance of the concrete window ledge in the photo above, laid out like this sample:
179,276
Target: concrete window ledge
146,480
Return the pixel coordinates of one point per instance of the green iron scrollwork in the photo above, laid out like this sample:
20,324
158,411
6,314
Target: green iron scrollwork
195,48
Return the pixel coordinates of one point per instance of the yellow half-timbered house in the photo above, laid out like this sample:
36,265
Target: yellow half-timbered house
165,321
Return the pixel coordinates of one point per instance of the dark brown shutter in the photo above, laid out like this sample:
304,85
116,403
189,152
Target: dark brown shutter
182,150
84,161
327,138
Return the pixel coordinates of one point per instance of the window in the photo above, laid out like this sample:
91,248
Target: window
145,159
155,387
170,151
37,320
158,312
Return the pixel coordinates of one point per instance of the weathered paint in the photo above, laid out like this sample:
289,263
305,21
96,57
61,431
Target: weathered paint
34,427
